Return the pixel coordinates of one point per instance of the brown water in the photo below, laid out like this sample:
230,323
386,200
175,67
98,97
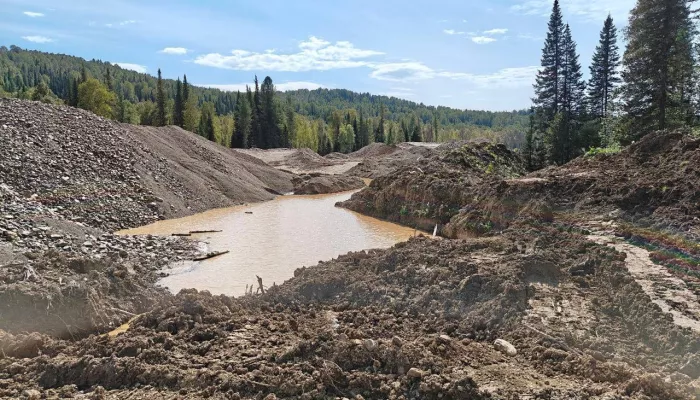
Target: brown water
278,237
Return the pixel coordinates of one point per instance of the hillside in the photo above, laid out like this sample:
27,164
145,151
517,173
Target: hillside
22,69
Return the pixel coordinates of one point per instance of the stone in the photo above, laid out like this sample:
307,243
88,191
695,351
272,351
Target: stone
415,373
505,347
370,344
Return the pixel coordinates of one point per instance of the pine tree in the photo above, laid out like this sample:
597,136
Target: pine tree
185,91
272,135
604,74
108,80
73,93
289,134
658,66
242,126
547,86
436,127
179,105
572,101
83,74
529,149
379,135
160,119
416,134
256,137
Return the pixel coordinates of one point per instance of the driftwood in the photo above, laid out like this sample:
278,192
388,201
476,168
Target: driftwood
204,231
210,255
182,234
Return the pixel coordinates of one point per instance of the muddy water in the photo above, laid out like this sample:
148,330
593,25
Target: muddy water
271,240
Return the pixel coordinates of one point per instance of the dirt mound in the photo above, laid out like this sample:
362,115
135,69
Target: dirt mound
432,190
113,176
321,184
418,320
68,178
375,150
378,166
653,183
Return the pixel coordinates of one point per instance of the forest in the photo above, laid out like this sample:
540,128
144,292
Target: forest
652,86
324,120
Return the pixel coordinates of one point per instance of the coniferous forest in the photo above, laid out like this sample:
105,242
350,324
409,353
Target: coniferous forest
650,85
324,120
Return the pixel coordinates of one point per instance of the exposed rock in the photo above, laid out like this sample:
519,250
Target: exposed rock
505,347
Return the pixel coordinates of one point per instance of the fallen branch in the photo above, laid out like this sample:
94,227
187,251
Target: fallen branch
204,231
182,234
210,255
261,289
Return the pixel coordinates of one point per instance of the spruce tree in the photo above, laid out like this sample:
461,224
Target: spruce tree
179,105
529,149
160,102
658,66
108,80
547,85
604,74
269,121
379,135
83,74
242,125
256,137
572,101
416,134
73,93
436,127
185,91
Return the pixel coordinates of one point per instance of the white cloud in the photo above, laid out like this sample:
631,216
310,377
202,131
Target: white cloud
452,32
282,87
174,50
402,72
134,67
38,39
122,23
483,39
587,10
315,55
33,14
497,31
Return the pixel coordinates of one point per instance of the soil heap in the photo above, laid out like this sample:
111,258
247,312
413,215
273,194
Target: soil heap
68,179
534,313
433,189
316,183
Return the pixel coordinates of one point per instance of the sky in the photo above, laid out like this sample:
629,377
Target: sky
465,54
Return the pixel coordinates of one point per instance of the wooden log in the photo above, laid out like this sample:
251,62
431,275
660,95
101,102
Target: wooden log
182,234
210,255
204,231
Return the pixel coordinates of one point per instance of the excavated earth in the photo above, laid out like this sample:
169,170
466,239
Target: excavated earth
432,189
68,179
537,298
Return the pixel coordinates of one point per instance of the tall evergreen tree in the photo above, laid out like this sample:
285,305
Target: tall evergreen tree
179,106
83,74
242,125
572,102
185,91
604,73
547,85
108,80
436,127
416,133
160,119
658,66
379,135
289,134
269,122
73,93
256,136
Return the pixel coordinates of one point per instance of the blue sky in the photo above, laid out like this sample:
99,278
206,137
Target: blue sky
457,53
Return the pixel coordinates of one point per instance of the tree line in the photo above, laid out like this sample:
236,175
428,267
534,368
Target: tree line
322,119
651,87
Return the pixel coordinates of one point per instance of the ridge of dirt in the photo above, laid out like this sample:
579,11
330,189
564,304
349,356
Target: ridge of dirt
432,190
68,179
316,183
113,176
414,321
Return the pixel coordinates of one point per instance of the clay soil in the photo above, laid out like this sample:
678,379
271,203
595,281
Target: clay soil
575,282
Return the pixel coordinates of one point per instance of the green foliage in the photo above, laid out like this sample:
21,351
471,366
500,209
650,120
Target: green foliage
160,119
95,97
594,151
659,67
346,139
604,71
